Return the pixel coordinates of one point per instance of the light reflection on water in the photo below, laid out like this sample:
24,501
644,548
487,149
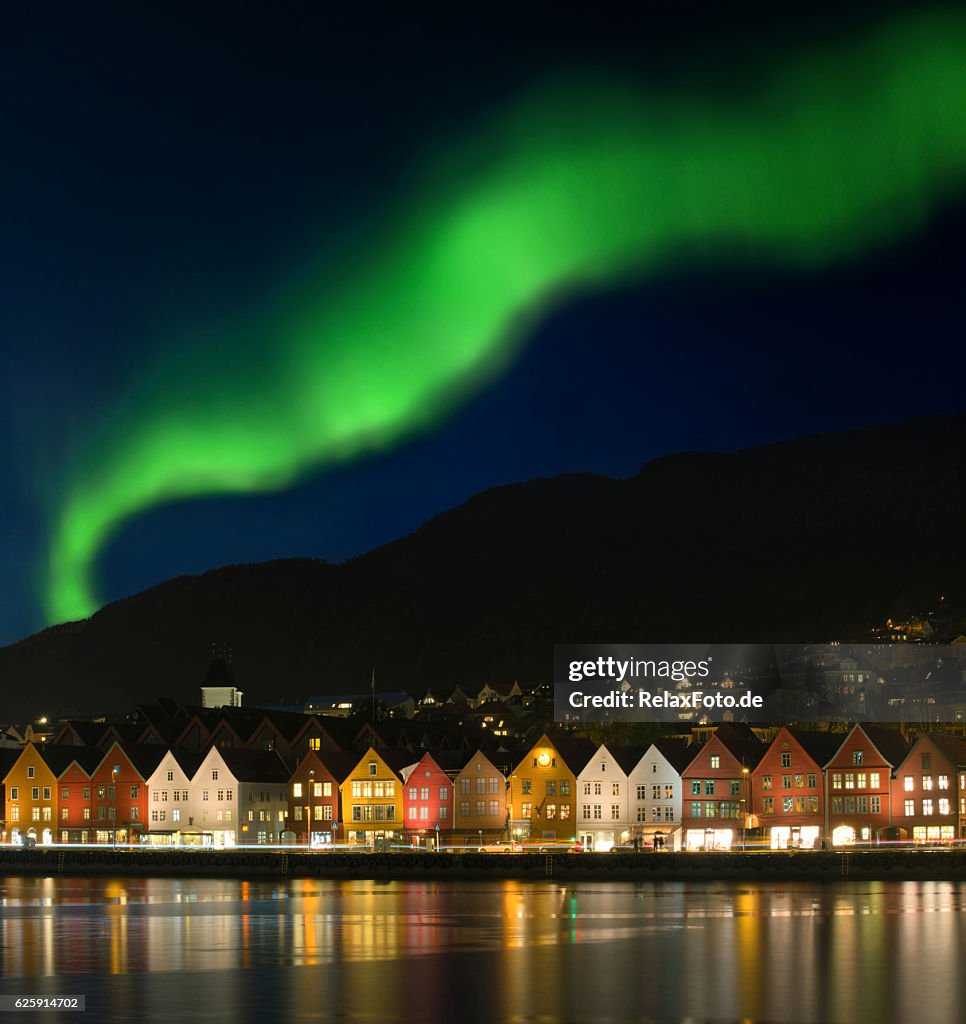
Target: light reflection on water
223,949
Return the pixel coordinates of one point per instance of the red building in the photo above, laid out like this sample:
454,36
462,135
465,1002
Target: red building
72,768
788,791
929,790
427,803
858,777
119,791
717,789
313,795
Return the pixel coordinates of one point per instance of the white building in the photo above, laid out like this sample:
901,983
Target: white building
601,799
655,796
170,817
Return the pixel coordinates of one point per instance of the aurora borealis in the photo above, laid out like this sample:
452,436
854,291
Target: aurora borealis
576,181
570,189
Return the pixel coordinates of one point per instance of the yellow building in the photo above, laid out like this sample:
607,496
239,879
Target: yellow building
30,799
372,798
543,789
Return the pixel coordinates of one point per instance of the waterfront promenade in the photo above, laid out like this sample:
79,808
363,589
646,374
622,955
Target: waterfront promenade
876,864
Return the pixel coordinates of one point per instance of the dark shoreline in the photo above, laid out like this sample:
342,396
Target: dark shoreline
867,865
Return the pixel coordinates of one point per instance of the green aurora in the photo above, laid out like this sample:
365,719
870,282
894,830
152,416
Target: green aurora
581,185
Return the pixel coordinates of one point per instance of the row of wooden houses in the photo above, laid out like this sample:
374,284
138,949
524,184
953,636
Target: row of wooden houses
801,790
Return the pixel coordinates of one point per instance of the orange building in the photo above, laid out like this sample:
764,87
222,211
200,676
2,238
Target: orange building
479,803
31,799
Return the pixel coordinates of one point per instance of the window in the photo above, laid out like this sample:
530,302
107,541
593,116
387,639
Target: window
943,781
715,761
480,808
492,784
298,812
15,793
926,780
565,787
696,808
695,789
836,805
786,782
423,813
709,787
87,792
812,781
296,790
862,805
465,787
766,782
465,809
653,767
836,780
641,792
134,814
943,805
315,743
551,811
481,786
873,780
786,760
669,814
669,791
30,771
875,804
656,792
64,792
860,780
655,814
813,805
799,781
170,776
214,774
494,808
424,792
786,805
373,768
527,810
551,787
849,780
585,811
526,786
64,813
204,794
926,804
856,757
641,813
597,811
799,805
597,789
35,792
925,761
850,805
35,813
46,792
767,805
735,787
87,814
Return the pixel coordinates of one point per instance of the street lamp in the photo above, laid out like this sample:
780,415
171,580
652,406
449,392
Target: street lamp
746,803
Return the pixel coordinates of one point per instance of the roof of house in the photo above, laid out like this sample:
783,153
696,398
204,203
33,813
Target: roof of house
890,743
256,765
820,746
678,753
575,750
59,757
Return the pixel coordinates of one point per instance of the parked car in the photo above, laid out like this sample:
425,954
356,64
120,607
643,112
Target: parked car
501,847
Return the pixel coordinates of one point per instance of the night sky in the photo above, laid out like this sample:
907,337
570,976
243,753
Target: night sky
285,282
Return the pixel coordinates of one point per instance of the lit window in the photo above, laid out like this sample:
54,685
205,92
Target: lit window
715,761
856,757
908,783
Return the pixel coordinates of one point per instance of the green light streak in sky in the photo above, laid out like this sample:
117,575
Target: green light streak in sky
579,187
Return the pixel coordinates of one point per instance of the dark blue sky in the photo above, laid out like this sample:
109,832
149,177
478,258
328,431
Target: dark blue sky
163,166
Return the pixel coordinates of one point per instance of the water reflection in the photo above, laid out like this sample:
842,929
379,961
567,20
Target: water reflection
516,951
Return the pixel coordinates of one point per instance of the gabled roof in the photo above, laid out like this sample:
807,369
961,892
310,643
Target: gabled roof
741,742
336,762
575,750
256,765
953,748
890,743
144,757
627,758
821,747
678,753
189,761
87,732
60,756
